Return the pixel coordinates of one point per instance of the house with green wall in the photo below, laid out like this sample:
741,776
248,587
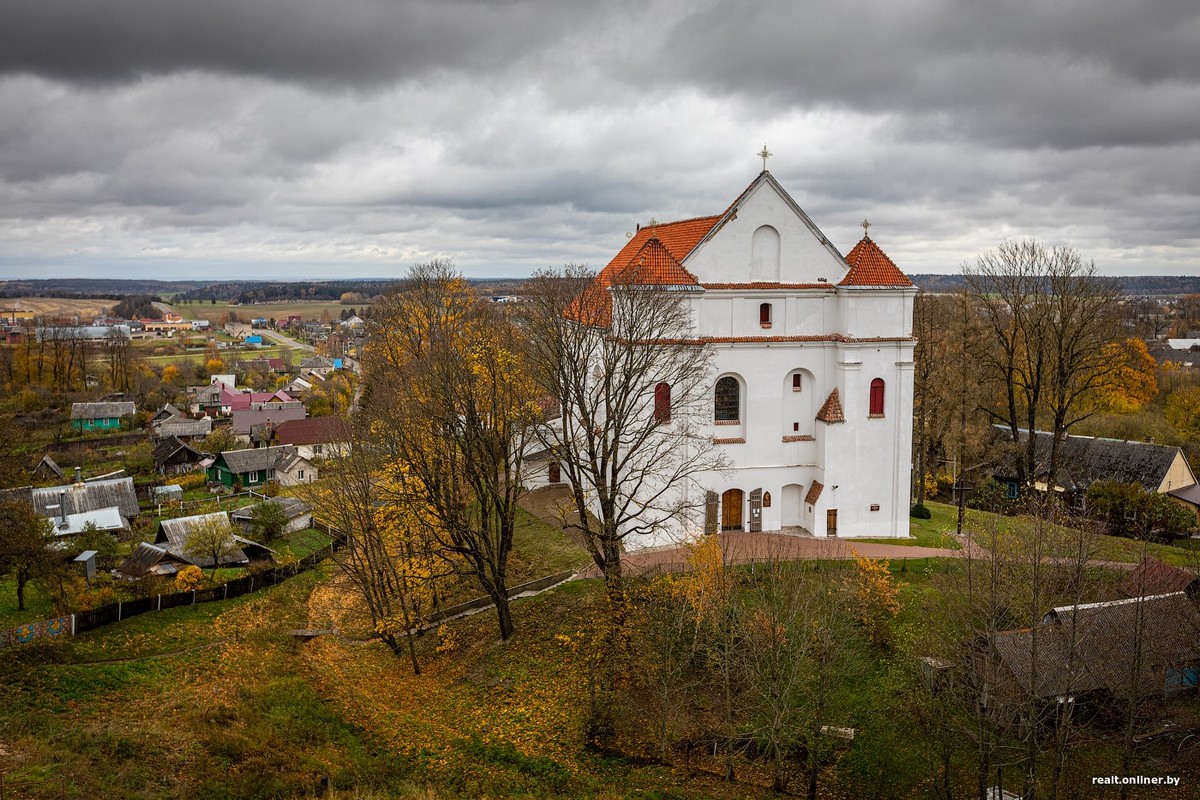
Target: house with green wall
256,466
101,416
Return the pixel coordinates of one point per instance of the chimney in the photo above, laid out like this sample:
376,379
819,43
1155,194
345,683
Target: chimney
79,474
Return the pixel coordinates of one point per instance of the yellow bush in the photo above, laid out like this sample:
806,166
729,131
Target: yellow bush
189,579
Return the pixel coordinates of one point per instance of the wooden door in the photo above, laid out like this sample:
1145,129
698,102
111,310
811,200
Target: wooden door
731,510
756,507
711,503
831,522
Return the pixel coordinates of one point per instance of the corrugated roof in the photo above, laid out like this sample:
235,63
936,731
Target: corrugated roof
145,557
291,506
182,426
174,534
1089,647
243,461
870,266
1152,577
102,410
244,419
88,496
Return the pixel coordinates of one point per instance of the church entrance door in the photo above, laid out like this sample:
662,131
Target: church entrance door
756,507
831,522
731,510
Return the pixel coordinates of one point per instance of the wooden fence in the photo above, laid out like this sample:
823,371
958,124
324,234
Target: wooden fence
79,622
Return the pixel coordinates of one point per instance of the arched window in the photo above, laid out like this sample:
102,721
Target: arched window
764,314
662,403
877,397
728,400
766,499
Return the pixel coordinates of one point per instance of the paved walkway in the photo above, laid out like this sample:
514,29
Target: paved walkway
742,547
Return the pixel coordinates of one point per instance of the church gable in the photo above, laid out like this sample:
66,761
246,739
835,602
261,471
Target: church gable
764,237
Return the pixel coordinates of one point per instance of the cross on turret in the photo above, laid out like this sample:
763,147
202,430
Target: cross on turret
764,155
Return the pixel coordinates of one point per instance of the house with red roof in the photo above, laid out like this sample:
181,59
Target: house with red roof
812,390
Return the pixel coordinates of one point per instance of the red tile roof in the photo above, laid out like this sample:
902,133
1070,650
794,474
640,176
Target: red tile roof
674,240
653,265
831,411
870,266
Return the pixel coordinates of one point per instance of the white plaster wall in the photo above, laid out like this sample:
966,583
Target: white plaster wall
726,258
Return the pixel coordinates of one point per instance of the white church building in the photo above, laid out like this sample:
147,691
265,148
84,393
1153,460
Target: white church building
812,392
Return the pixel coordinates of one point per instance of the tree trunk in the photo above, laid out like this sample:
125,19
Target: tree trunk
503,615
22,579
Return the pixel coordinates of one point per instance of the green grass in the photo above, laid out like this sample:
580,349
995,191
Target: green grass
937,531
302,543
540,549
37,605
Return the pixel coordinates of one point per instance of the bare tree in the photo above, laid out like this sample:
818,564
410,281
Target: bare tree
1048,317
633,390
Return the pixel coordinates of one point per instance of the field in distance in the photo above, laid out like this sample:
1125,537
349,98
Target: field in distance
312,310
86,309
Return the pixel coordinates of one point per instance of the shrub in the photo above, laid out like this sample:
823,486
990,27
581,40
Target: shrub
189,579
192,480
920,512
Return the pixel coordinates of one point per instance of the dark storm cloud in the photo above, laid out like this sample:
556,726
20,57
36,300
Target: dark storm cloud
348,42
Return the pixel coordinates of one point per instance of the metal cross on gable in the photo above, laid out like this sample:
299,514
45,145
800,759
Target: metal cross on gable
865,225
764,155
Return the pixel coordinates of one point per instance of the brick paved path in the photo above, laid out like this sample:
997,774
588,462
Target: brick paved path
742,548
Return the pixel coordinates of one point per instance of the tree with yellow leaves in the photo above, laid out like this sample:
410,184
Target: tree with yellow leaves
386,555
878,599
449,398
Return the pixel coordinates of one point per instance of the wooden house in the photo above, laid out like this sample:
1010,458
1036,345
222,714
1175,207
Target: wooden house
100,416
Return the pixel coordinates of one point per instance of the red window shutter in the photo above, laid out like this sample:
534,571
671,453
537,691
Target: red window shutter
662,403
877,397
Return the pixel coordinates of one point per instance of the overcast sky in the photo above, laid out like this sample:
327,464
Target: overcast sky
279,139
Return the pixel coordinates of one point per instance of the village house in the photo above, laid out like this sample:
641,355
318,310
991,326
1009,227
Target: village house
101,416
1085,653
174,456
86,496
174,536
319,365
1084,460
254,467
149,560
297,512
314,437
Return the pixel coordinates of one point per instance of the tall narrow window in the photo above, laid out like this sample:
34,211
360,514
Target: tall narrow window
728,400
662,403
764,314
796,382
555,472
877,397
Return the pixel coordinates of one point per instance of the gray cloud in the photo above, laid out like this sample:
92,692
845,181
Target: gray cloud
361,136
